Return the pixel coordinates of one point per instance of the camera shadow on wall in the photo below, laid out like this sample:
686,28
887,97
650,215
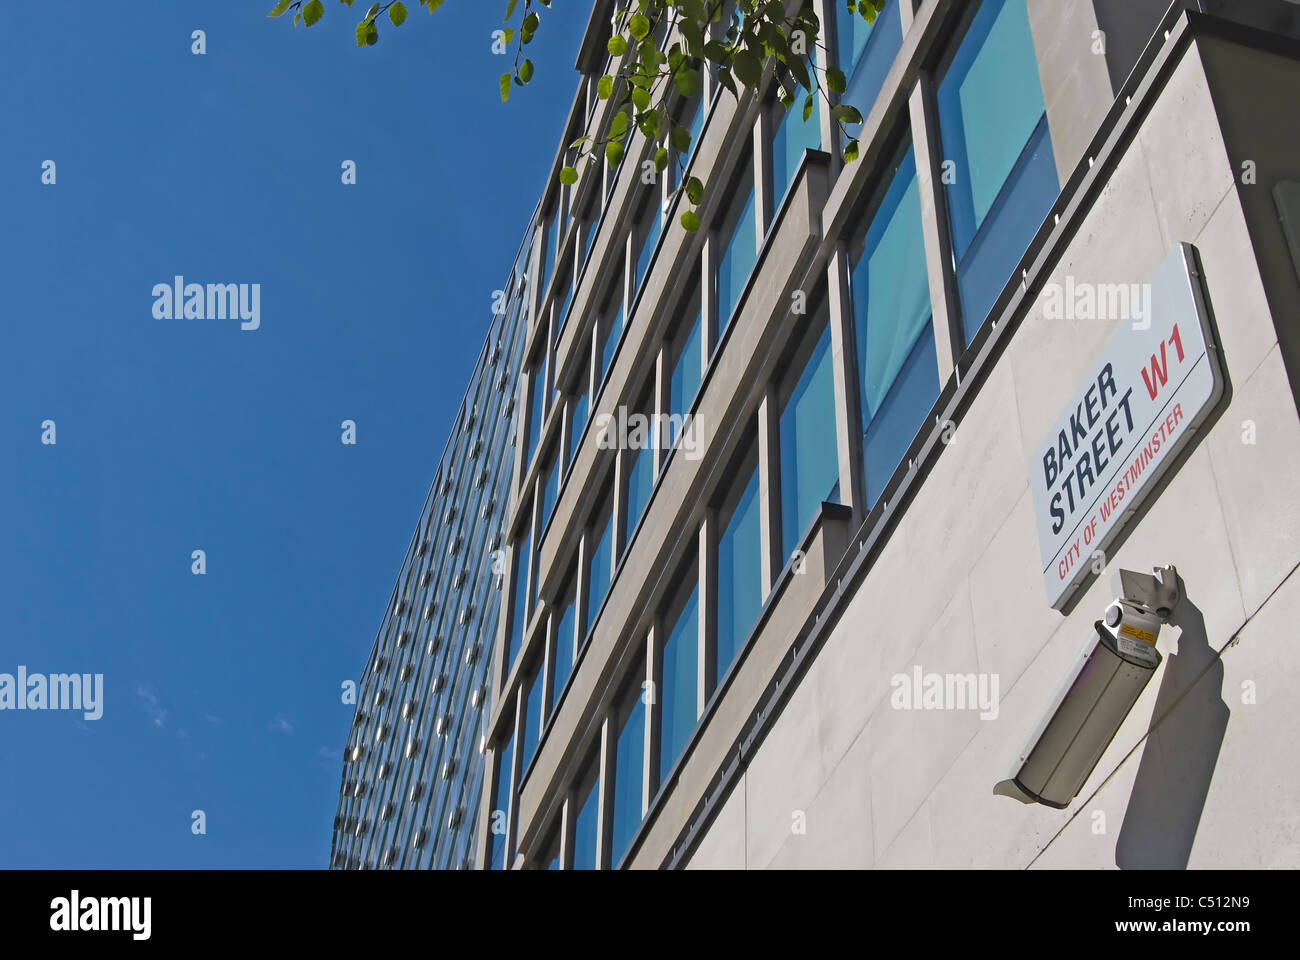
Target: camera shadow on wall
1179,754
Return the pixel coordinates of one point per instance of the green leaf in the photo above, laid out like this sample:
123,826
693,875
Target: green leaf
641,98
800,71
605,87
568,176
694,190
651,58
639,27
681,137
397,13
617,46
690,220
526,71
694,33
279,8
808,105
846,114
747,67
835,80
312,11
687,82
724,78
696,10
661,159
510,8
505,87
851,151
614,153
651,123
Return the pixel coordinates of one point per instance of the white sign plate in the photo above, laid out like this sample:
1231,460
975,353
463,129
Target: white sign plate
1144,399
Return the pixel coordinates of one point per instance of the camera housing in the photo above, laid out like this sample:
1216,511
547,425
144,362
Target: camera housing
1092,702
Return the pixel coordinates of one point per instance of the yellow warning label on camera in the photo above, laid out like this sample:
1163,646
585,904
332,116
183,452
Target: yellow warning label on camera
1137,633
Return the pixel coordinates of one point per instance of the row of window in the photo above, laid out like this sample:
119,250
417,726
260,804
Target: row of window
865,54
702,624
740,232
999,180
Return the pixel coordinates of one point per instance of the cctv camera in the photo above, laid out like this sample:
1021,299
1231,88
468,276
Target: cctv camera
1112,670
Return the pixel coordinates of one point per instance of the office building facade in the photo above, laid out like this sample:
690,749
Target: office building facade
414,761
783,487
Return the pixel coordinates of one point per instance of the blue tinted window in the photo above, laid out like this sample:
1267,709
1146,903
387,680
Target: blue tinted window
687,371
640,481
1016,216
613,330
601,557
651,223
992,120
851,34
534,579
696,126
500,856
550,487
565,641
566,294
629,758
548,249
531,721
742,249
585,827
536,406
684,382
900,416
588,232
519,616
740,575
866,52
680,677
895,339
792,138
809,458
577,423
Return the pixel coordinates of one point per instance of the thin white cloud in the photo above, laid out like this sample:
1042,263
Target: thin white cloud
156,711
280,724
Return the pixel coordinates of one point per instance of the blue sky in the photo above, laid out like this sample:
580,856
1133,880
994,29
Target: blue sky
222,691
